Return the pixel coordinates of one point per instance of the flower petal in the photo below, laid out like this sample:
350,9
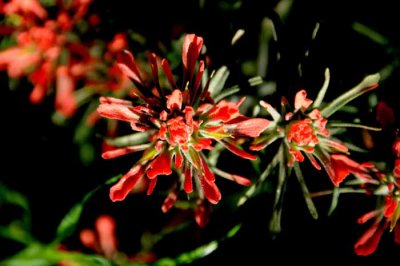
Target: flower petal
188,182
174,101
236,150
161,165
301,101
120,190
123,151
343,166
369,241
169,201
126,62
251,127
115,110
191,49
210,189
202,213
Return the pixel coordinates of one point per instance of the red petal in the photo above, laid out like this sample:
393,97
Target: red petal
369,241
385,115
178,159
343,166
188,183
369,215
152,185
174,101
211,191
251,127
191,49
207,172
202,214
234,149
119,111
105,227
169,201
88,238
390,206
120,190
168,73
126,63
65,101
122,151
301,101
397,234
161,165
241,180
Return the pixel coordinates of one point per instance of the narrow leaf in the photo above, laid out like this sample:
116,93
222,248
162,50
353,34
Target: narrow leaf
306,193
368,83
130,140
70,221
335,200
218,81
322,91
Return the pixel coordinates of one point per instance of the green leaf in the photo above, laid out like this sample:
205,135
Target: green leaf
9,196
335,200
368,83
322,91
253,188
218,81
68,224
130,140
342,124
306,193
275,222
226,92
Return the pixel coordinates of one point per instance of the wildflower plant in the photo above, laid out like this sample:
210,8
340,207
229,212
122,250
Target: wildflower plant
305,132
176,125
175,118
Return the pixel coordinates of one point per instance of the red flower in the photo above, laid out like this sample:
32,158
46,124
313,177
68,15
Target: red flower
181,124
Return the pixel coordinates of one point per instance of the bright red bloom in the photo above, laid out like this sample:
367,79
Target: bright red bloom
181,124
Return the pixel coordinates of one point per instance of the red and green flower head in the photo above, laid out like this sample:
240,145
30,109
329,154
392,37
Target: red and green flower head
178,124
304,130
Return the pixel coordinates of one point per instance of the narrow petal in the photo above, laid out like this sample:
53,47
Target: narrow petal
301,101
369,241
105,227
251,127
202,214
169,201
168,73
206,170
126,63
236,150
120,190
161,165
390,206
123,151
88,239
188,183
191,49
210,189
117,111
343,166
152,185
368,216
397,234
65,101
174,101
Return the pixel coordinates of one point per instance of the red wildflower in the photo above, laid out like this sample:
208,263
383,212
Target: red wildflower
181,124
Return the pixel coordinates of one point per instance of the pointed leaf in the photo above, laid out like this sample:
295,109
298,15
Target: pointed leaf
70,221
322,91
218,81
306,193
368,83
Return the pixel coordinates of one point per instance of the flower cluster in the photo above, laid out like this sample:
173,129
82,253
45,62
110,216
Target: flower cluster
47,49
178,124
385,185
303,132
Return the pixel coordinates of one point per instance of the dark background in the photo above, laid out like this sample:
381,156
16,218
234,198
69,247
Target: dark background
40,161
